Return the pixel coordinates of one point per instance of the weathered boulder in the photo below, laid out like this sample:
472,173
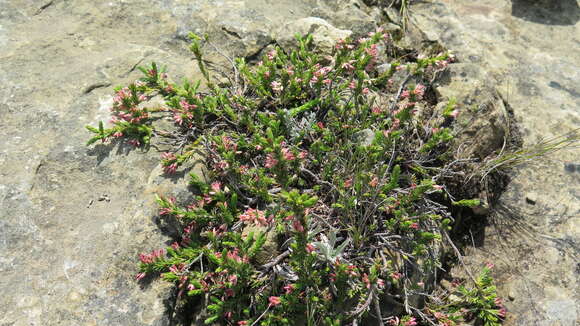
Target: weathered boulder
324,35
483,121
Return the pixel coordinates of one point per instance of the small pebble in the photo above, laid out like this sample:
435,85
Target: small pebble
531,198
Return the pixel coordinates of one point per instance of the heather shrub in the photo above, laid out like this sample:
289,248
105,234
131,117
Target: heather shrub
325,199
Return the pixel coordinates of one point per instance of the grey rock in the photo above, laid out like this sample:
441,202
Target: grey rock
350,15
324,34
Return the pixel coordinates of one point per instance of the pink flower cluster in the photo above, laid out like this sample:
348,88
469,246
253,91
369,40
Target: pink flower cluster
320,74
152,257
341,45
125,107
419,90
270,161
255,216
272,55
276,86
367,282
233,255
169,162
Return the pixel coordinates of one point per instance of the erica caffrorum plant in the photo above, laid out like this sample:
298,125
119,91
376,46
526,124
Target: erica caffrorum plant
325,197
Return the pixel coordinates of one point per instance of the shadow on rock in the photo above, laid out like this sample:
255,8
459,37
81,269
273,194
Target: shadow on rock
102,151
549,12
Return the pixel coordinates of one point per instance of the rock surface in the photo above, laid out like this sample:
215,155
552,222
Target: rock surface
531,50
73,219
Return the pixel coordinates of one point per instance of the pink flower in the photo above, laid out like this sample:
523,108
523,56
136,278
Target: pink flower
365,91
380,283
502,312
348,66
441,64
411,322
216,187
348,183
222,165
140,276
175,245
419,90
376,110
242,323
244,169
276,86
352,85
186,106
309,248
489,265
396,275
298,227
270,161
171,168
454,114
373,50
118,134
274,301
439,315
255,216
365,279
288,288
288,155
374,182
405,94
414,226
327,81
168,156
272,54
